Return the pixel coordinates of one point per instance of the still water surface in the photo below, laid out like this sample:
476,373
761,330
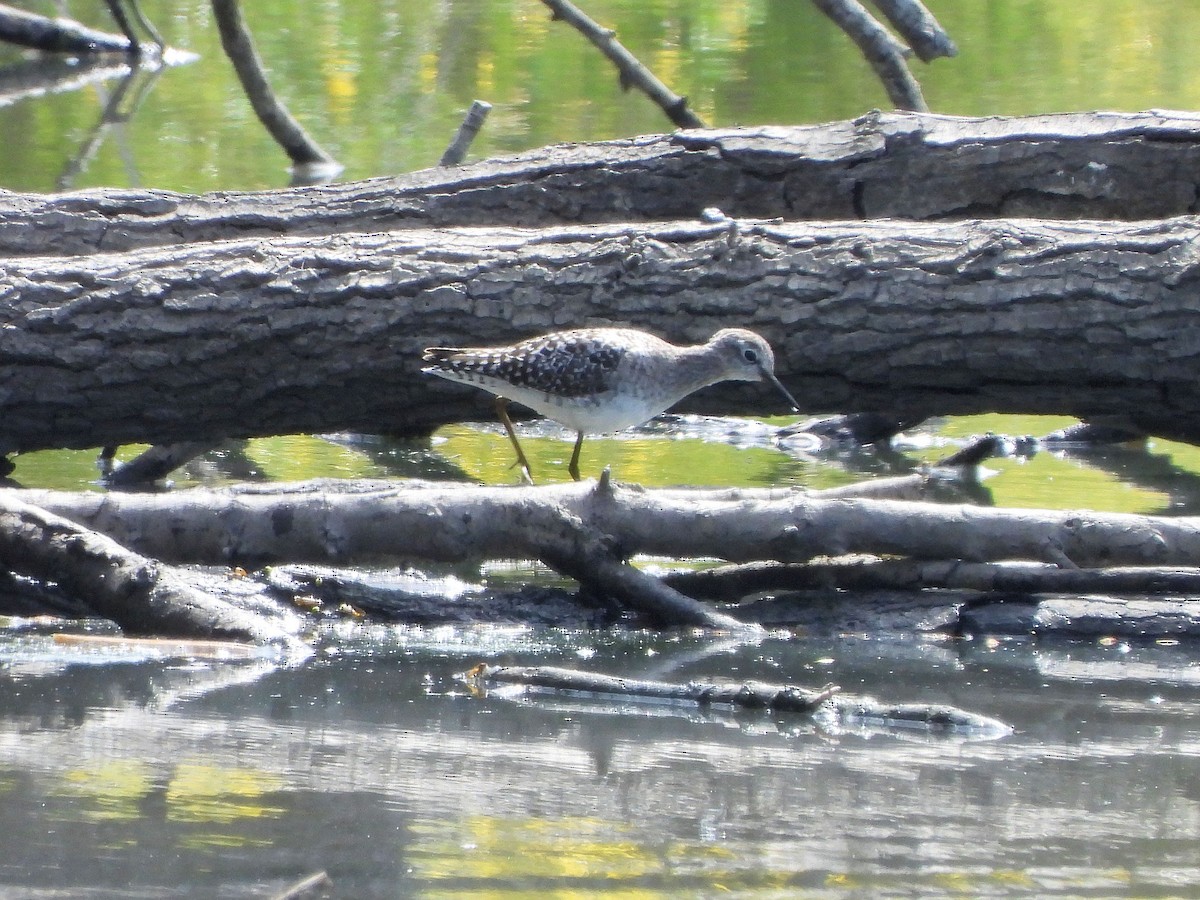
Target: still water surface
152,778
127,775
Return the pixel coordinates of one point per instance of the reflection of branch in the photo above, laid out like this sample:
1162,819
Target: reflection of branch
632,72
287,132
52,75
882,51
116,112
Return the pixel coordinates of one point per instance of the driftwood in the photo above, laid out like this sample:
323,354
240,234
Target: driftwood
141,595
825,706
586,531
903,165
745,695
1009,578
457,151
363,522
918,27
252,338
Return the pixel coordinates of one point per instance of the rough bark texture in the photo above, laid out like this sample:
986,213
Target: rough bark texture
250,338
904,165
362,523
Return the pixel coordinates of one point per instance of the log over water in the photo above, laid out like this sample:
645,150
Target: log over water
253,338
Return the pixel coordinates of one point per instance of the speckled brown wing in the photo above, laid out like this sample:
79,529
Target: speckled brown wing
573,364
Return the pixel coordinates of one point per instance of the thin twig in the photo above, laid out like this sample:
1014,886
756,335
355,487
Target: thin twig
471,123
632,72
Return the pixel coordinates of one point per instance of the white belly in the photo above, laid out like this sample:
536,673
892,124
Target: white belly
592,415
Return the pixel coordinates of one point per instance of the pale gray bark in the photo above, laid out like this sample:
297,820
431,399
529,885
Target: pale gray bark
141,595
826,705
905,165
251,338
328,522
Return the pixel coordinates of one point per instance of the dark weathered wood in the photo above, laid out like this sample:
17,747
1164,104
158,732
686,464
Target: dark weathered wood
905,165
918,27
882,51
57,35
1010,578
631,71
251,338
471,123
150,465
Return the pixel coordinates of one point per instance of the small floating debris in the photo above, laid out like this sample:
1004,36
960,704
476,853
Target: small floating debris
825,706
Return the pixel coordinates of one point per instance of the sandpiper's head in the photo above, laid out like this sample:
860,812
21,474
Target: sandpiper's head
747,357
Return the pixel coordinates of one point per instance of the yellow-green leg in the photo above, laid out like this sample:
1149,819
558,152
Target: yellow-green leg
573,468
502,412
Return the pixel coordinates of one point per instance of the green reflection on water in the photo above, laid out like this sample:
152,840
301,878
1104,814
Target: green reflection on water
383,85
1136,482
488,456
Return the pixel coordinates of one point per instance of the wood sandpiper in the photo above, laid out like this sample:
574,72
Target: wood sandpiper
597,380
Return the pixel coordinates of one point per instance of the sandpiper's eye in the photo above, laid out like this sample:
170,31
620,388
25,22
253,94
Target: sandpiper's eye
750,355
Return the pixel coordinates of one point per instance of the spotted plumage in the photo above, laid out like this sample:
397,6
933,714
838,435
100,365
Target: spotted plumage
597,380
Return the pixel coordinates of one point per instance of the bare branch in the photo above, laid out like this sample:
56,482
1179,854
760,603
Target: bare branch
882,51
632,72
57,35
287,132
918,26
471,123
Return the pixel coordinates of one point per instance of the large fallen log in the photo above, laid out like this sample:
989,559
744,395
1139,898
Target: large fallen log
250,338
364,522
903,165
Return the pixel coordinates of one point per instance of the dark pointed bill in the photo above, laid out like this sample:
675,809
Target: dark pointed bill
770,376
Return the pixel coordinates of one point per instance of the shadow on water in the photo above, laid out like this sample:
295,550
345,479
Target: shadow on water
143,776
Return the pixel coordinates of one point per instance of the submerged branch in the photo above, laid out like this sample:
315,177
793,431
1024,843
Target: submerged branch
827,709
